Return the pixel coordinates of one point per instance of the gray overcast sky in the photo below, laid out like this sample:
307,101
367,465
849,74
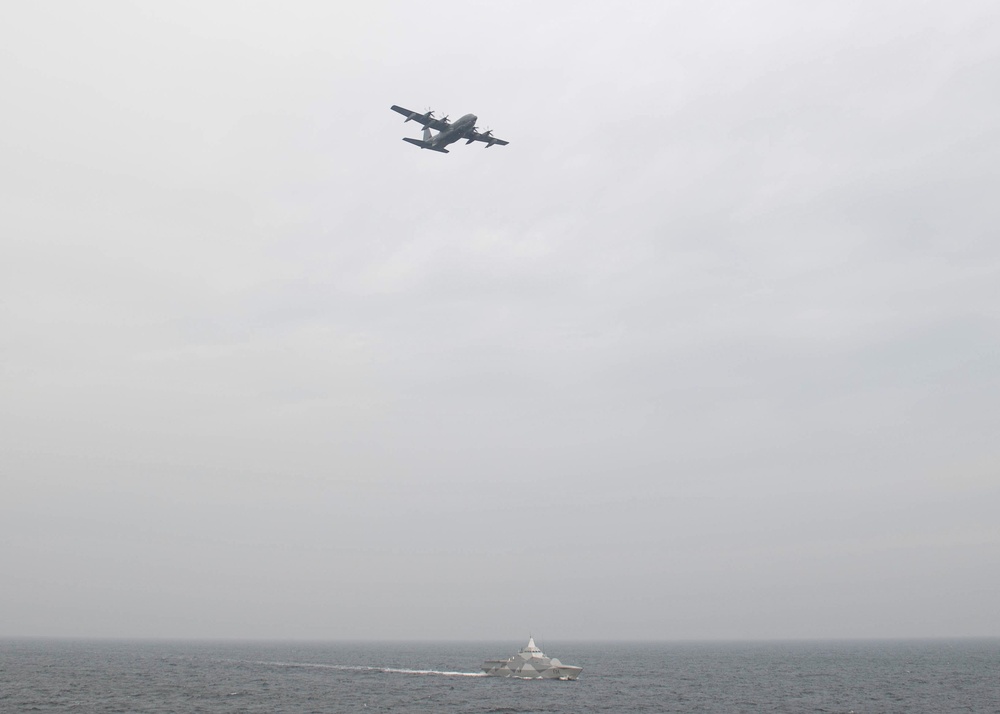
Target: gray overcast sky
710,350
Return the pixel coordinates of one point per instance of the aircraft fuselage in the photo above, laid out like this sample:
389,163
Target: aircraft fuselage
454,132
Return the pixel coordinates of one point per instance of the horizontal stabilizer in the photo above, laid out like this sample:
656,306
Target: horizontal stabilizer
424,145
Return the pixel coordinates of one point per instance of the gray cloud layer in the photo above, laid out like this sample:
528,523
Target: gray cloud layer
710,350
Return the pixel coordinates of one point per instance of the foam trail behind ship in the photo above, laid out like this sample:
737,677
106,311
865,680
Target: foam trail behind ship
363,668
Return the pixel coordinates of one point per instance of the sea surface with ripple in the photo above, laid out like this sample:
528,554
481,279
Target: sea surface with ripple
939,676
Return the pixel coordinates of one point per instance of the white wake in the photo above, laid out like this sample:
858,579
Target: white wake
364,668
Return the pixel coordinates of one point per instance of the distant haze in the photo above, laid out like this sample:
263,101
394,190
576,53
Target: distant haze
710,350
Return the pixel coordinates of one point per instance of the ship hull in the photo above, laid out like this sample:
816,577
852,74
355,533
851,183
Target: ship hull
501,669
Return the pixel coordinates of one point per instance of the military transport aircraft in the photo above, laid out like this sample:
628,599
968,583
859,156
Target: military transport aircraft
464,128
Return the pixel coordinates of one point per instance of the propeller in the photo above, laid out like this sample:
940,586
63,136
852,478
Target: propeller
490,141
444,119
476,134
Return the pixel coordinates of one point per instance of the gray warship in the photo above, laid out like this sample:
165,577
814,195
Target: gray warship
530,663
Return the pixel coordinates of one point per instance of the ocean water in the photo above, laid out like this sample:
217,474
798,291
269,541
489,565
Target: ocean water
937,677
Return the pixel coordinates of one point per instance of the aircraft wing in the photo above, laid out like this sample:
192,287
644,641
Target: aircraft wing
488,138
421,118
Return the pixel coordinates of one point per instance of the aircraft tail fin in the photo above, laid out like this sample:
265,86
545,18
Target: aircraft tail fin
424,145
427,133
